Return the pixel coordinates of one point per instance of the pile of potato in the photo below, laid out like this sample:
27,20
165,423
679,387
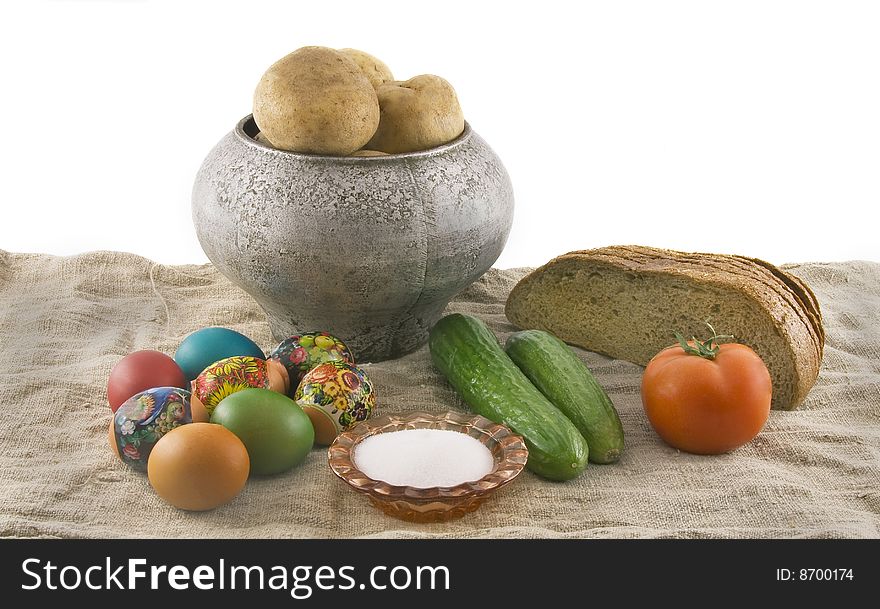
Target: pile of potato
346,102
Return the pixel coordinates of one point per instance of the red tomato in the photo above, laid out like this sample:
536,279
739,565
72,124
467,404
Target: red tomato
707,405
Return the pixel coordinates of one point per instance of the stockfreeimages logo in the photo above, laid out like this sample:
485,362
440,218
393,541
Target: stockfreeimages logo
299,581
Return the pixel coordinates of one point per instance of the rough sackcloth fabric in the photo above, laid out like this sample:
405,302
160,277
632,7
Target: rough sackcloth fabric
65,321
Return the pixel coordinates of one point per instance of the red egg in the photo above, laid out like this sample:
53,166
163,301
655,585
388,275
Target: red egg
140,371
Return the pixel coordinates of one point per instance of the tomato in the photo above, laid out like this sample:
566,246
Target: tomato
706,399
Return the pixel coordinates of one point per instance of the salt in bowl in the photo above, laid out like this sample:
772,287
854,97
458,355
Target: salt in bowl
432,504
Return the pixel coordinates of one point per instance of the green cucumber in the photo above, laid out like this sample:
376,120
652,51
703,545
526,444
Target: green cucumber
563,378
466,351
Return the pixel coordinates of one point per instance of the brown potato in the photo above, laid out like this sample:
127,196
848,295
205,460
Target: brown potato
261,137
367,152
375,69
417,114
316,100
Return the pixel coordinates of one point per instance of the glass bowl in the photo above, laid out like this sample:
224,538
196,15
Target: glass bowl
433,504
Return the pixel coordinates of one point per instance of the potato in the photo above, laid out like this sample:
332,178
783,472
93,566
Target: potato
316,100
367,152
261,137
417,114
375,70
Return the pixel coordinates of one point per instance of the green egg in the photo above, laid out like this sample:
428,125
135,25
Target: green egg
277,433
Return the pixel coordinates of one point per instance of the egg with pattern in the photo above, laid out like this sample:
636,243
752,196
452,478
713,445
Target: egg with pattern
232,374
336,396
141,421
302,352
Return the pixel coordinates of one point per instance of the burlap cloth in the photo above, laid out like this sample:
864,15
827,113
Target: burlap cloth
64,322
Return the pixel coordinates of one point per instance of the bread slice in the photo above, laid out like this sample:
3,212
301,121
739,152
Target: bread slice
627,302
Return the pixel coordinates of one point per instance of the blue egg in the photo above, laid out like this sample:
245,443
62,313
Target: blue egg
208,345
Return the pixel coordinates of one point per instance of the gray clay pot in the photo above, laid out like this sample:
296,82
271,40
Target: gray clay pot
369,249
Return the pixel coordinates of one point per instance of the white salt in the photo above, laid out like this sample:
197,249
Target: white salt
423,458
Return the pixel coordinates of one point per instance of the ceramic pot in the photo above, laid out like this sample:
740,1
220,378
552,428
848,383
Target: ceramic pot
370,249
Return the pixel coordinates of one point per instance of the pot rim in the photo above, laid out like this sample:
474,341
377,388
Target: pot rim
246,130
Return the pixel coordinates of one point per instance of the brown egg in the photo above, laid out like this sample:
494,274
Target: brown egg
324,425
199,412
112,437
198,466
279,379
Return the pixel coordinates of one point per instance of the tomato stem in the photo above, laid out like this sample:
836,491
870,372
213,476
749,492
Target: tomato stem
706,349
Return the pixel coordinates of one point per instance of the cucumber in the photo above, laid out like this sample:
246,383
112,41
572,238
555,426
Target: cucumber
563,378
466,351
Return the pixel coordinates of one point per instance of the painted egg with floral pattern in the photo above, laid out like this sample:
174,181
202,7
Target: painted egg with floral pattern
144,418
302,352
336,396
232,374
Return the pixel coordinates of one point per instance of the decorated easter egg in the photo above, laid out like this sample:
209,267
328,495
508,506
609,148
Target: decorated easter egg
277,433
144,418
208,345
232,374
302,352
139,371
198,466
336,395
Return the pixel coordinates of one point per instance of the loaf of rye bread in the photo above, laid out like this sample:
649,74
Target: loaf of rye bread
628,301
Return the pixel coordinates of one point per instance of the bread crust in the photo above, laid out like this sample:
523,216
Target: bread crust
789,301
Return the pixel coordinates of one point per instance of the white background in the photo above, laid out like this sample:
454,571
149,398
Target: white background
741,127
